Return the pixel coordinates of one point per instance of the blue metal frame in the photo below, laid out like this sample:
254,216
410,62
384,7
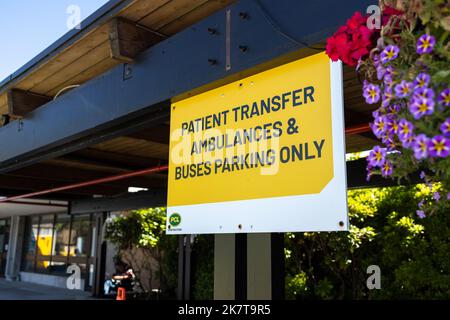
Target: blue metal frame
186,61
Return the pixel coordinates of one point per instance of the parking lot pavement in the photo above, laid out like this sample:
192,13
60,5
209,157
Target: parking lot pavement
16,290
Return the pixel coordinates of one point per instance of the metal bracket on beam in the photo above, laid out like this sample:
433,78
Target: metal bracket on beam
128,39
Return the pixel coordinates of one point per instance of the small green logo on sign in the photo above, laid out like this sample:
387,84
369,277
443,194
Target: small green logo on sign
174,219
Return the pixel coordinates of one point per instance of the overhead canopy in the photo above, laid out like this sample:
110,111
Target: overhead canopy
103,43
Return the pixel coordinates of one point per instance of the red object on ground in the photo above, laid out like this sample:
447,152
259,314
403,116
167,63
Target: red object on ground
121,294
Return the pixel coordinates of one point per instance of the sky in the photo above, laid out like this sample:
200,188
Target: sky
27,27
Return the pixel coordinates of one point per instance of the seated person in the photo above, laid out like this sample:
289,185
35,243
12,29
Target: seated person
123,278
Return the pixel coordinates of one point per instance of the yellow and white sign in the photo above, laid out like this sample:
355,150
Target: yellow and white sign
262,154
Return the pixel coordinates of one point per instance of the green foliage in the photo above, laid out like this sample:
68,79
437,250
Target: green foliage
412,253
203,265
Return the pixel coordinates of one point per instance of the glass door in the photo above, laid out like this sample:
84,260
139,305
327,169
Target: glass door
4,239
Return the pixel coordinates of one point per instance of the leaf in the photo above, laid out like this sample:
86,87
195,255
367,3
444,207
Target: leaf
445,23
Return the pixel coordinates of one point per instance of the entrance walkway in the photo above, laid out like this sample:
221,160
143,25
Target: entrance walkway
15,290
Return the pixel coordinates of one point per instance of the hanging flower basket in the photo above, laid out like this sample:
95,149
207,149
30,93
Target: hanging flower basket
405,64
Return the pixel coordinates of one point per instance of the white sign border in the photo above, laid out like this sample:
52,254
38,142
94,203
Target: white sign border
227,217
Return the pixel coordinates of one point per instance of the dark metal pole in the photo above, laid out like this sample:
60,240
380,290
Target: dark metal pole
240,271
100,259
187,268
180,289
277,260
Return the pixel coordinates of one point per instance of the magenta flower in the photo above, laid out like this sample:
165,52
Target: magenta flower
371,93
405,129
379,126
403,89
420,214
422,80
439,146
386,169
389,53
421,106
425,44
377,156
444,97
445,128
420,147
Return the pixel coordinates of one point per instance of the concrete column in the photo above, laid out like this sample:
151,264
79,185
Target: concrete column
14,255
259,270
224,267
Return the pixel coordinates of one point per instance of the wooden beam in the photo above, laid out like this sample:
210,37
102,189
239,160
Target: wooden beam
21,102
127,39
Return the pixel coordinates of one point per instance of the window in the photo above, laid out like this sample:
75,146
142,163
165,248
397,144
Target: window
31,233
44,243
60,249
79,237
53,242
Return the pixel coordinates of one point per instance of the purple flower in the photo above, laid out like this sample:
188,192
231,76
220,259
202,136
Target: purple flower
445,128
388,141
444,97
379,126
448,196
376,60
421,106
422,80
386,97
389,71
380,72
369,172
386,169
403,89
408,142
439,146
387,80
420,205
436,196
425,44
394,109
423,92
377,156
422,175
392,126
389,53
420,214
420,148
372,93
405,129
